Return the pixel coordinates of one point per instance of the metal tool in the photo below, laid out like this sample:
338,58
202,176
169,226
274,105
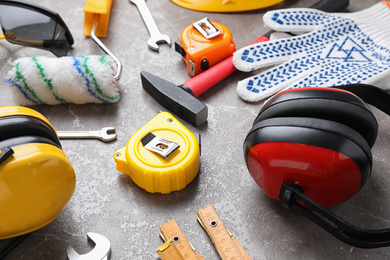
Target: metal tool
96,20
101,251
161,146
106,134
155,35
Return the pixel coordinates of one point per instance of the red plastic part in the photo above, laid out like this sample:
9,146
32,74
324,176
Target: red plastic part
326,176
205,80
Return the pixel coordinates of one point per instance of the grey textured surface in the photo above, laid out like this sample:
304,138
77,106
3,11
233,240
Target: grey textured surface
109,203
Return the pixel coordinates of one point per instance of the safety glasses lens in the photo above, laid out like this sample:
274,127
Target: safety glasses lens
30,28
60,45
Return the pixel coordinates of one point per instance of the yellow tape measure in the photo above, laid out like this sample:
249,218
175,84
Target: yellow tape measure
176,245
227,246
161,157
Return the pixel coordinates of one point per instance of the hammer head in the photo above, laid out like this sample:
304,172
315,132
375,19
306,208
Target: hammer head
175,99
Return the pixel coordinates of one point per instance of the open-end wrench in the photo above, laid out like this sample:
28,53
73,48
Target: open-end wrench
106,134
101,251
155,35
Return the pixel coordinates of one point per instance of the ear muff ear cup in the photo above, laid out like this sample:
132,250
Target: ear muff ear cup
36,183
328,160
18,125
37,180
324,103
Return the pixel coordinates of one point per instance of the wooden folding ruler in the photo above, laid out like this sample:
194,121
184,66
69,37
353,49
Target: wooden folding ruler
227,246
176,246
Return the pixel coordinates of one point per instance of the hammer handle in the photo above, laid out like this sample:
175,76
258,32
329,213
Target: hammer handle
205,80
215,74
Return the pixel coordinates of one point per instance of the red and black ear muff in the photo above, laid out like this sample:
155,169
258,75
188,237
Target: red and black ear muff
36,177
310,148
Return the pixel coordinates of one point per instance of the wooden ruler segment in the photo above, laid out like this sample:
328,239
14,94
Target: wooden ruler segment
170,251
176,245
226,245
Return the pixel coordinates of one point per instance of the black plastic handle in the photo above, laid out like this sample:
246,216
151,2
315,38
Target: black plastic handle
291,197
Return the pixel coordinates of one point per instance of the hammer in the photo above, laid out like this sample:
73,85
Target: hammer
182,99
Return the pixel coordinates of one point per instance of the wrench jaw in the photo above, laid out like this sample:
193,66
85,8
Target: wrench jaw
101,251
154,41
108,134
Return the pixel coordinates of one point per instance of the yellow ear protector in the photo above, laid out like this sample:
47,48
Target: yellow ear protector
226,6
36,177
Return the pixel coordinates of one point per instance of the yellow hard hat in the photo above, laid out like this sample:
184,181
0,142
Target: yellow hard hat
225,6
36,177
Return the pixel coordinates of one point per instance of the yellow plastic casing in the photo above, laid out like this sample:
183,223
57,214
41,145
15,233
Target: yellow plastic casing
22,111
36,183
150,171
102,8
225,5
199,48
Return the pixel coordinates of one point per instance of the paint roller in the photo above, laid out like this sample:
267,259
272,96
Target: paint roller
69,79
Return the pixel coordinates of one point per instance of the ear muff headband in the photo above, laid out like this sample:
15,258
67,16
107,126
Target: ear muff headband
22,111
296,193
330,104
14,126
21,140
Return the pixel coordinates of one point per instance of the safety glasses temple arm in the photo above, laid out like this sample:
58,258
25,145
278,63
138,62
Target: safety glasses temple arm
104,48
292,197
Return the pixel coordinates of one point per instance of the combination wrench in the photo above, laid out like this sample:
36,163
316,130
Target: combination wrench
106,134
155,35
101,251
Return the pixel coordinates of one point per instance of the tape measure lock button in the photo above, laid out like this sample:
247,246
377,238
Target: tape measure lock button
161,157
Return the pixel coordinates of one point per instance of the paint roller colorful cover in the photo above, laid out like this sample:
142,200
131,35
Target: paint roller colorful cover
52,81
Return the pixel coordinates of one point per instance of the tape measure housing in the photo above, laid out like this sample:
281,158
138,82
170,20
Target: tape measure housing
151,171
201,52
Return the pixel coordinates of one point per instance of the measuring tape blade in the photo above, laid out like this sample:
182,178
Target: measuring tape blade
227,246
176,245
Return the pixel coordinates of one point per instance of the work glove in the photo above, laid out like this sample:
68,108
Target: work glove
332,49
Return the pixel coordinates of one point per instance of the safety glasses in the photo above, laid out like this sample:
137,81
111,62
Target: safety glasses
34,26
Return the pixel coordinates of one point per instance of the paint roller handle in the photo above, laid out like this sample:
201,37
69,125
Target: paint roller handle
205,80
